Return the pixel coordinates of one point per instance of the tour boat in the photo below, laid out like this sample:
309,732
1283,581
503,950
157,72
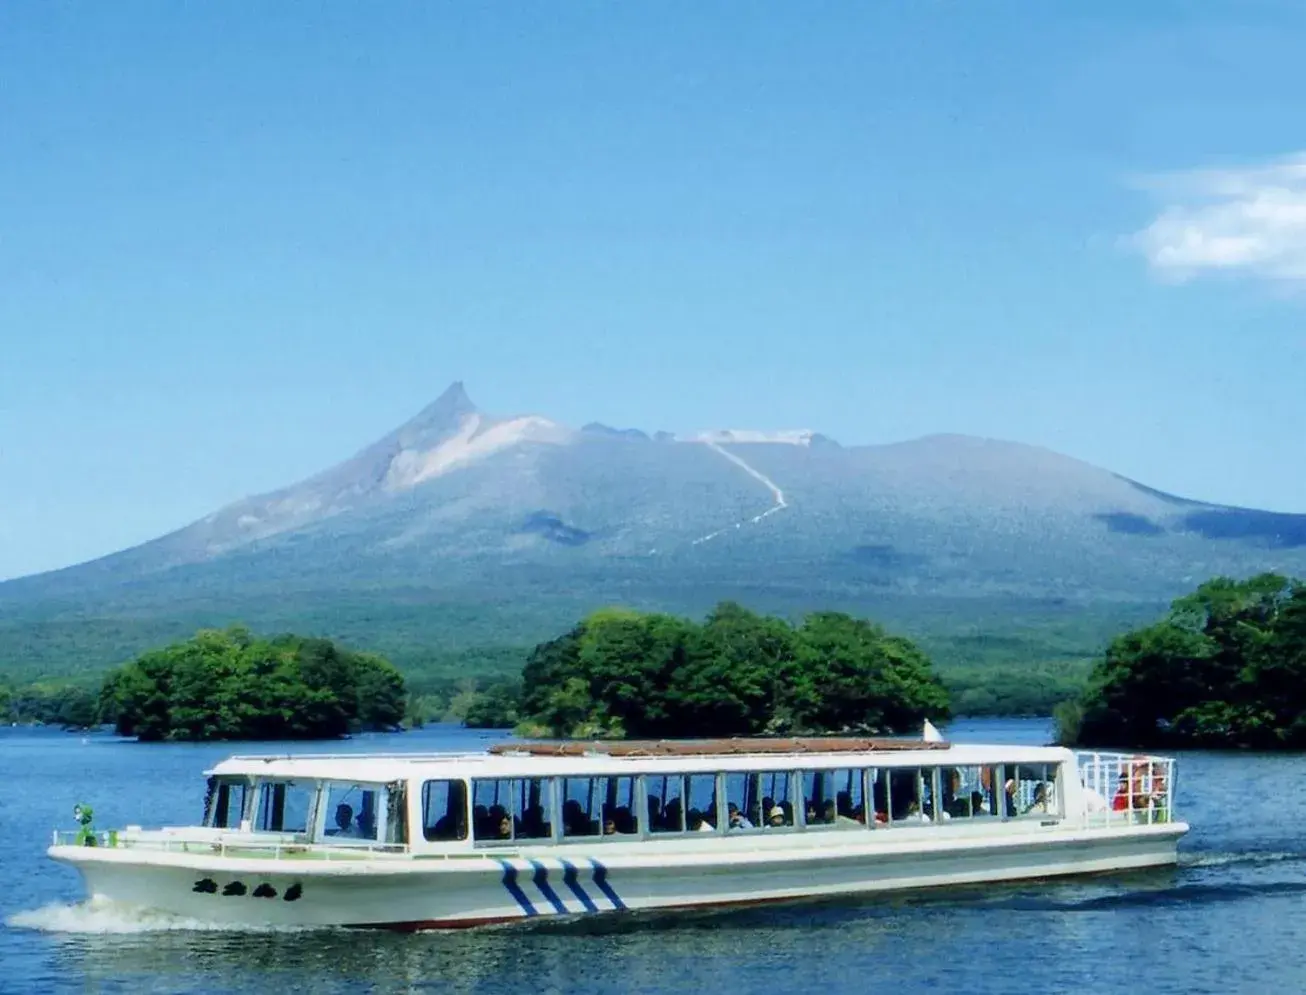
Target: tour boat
528,830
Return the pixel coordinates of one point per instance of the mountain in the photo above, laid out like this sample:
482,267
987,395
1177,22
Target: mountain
504,528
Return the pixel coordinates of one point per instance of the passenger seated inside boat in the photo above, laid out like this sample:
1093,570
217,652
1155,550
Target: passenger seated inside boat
698,824
444,811
344,822
1121,800
911,812
495,824
1040,802
737,818
1133,791
955,802
1009,792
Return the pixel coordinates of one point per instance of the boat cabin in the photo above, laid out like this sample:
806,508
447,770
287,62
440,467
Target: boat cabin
541,794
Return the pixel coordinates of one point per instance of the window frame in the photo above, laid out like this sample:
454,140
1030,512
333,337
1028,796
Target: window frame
647,829
924,777
250,794
858,780
466,811
477,782
1051,778
322,814
312,818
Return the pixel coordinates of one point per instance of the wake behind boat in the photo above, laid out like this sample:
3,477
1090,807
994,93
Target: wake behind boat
527,830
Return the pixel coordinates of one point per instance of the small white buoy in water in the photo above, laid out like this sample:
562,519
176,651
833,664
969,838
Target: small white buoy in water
930,734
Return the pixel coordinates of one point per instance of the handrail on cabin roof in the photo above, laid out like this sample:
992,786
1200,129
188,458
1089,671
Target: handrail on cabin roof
714,747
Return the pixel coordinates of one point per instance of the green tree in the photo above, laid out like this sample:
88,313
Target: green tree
853,676
735,667
549,665
230,685
380,701
1225,667
496,707
624,673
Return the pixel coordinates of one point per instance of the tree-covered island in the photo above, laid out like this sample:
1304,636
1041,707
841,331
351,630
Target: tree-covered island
230,685
622,673
1226,668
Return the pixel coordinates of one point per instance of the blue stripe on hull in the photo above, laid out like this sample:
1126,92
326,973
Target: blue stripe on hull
514,889
570,877
601,882
541,880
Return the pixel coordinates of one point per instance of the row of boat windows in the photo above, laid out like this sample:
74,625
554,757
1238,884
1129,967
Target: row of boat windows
506,809
365,813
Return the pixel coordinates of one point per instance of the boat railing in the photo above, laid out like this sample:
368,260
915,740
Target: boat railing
225,846
1126,788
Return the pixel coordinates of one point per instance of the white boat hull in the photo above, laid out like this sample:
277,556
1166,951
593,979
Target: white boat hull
496,886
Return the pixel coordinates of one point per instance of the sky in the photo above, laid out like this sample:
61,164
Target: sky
240,241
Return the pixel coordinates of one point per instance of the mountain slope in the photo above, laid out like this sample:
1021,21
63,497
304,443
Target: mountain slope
523,519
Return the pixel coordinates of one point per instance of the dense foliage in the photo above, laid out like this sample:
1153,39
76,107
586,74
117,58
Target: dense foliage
73,706
438,643
995,657
1226,667
991,689
627,673
230,685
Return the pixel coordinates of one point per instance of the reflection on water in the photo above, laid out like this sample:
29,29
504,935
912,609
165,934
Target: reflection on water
1228,919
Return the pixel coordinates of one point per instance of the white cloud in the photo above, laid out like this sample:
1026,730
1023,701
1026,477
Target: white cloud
1248,220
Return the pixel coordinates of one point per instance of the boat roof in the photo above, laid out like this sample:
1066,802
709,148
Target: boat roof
585,759
733,746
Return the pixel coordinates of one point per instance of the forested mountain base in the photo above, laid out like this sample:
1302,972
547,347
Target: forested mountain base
997,656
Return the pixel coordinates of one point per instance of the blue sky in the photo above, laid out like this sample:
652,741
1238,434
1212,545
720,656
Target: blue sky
239,241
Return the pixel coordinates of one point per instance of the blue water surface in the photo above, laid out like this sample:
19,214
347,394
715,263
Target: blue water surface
1230,918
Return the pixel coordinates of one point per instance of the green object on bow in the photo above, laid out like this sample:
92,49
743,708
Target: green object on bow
86,835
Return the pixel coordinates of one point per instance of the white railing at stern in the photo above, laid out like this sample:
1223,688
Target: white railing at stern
1126,788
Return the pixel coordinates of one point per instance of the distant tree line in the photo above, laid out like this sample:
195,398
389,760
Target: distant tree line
1226,667
230,685
624,673
72,706
485,687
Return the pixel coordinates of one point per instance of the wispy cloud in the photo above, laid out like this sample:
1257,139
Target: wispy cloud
1248,220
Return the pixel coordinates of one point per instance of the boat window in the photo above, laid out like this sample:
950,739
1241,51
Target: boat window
910,795
1034,789
580,809
834,798
878,780
444,810
227,806
666,802
700,793
351,811
491,809
594,805
775,790
743,803
284,806
532,803
968,792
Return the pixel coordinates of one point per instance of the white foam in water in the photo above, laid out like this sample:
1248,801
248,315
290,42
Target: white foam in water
99,916
1248,857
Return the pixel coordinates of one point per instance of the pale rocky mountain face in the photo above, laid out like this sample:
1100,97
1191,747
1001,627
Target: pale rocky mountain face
457,498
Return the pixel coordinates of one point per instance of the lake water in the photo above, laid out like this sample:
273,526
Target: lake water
1230,918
